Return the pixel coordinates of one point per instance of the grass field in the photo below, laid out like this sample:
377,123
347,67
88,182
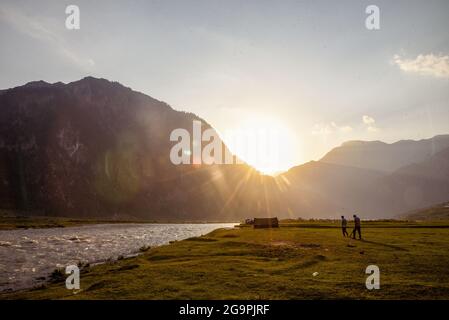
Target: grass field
246,263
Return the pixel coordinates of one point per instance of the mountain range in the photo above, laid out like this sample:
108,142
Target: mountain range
95,148
381,156
366,189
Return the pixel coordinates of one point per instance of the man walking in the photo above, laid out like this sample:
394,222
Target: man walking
357,227
344,224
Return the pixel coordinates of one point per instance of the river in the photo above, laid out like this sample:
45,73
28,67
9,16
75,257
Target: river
28,256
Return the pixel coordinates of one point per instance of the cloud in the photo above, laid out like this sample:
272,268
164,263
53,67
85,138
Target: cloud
368,120
370,123
326,129
342,128
37,29
321,129
429,64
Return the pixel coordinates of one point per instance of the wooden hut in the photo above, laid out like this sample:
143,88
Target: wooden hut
266,222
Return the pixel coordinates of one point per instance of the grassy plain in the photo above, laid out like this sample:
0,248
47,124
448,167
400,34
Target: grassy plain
247,263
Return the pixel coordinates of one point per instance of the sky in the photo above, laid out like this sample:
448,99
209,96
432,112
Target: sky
308,70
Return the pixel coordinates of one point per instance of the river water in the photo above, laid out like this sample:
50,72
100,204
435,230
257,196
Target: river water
28,256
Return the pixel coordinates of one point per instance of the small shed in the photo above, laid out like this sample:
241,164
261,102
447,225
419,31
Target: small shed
266,222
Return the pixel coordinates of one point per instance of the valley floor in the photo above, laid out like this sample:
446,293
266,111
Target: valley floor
246,263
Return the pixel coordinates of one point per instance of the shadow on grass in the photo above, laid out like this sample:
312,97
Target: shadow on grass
384,245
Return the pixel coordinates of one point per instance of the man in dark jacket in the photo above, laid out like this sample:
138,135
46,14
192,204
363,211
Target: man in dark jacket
357,227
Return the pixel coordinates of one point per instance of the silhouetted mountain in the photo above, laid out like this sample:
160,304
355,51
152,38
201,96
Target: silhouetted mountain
421,184
319,189
326,189
96,148
386,157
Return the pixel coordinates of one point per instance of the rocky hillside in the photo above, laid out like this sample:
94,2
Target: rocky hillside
96,148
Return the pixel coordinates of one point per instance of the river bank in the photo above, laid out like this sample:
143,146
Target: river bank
14,222
28,257
292,262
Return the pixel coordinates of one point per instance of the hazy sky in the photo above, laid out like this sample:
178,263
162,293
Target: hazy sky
309,66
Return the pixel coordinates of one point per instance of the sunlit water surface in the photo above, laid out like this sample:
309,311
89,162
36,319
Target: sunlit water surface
28,256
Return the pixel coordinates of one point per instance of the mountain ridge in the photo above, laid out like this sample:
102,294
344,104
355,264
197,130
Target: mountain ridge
93,147
383,156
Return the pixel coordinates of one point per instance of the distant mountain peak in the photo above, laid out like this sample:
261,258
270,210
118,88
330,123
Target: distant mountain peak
89,80
37,84
92,81
364,143
359,143
387,157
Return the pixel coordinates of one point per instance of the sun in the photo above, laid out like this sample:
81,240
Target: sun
264,142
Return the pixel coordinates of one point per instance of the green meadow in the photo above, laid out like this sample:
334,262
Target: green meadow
299,260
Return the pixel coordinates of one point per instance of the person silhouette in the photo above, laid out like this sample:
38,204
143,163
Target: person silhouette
357,228
344,224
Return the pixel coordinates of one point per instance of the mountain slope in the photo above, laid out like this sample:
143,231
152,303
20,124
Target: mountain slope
377,155
327,190
421,184
96,148
437,212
